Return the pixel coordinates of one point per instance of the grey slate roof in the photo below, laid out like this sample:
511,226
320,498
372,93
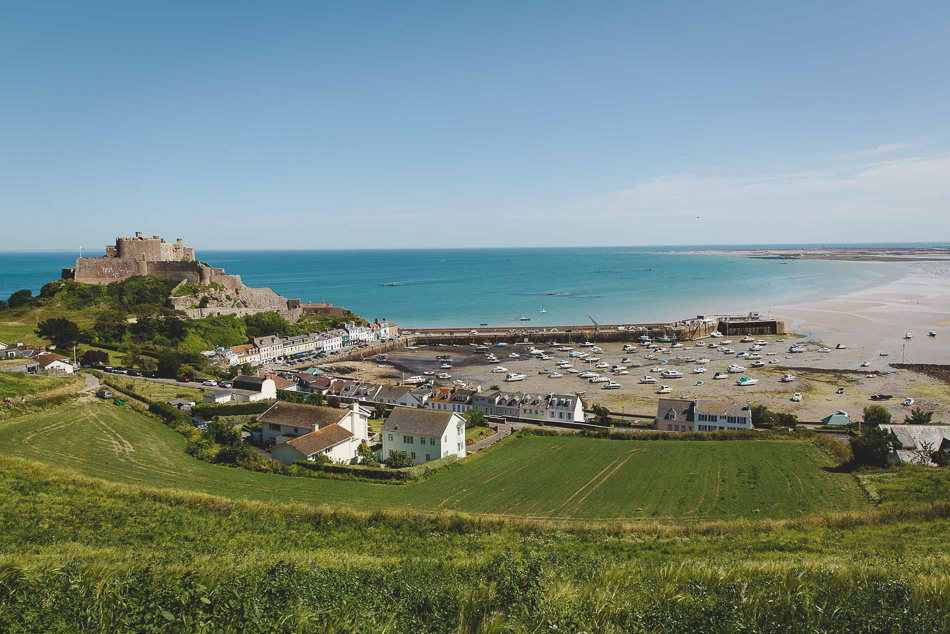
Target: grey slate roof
424,422
296,415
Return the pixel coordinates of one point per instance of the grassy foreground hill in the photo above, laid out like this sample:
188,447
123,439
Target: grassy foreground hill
550,478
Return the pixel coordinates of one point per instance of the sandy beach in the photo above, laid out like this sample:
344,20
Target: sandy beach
868,323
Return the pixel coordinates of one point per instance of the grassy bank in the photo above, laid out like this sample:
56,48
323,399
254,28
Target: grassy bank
80,554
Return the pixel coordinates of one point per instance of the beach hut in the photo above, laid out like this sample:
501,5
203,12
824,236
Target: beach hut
836,419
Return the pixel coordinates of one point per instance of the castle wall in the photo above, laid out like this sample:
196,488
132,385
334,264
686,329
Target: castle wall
176,270
103,270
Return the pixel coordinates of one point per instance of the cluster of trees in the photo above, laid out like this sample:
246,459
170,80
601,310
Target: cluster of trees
874,446
764,418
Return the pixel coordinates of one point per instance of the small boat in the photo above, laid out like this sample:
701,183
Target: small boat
840,390
647,379
824,350
721,375
415,379
841,346
514,355
699,370
446,366
542,311
677,345
525,318
628,348
610,385
932,333
572,370
699,382
885,354
382,357
746,339
797,397
514,376
788,378
392,284
716,334
602,365
703,360
597,349
544,371
501,344
586,374
758,364
746,381
481,348
499,369
555,375
483,324
796,349
617,367
671,374
598,379
626,360
866,364
444,375
664,389
881,397
735,369
546,357
587,344
907,335
621,372
907,402
429,373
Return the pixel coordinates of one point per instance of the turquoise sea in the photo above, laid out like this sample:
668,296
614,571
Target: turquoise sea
468,287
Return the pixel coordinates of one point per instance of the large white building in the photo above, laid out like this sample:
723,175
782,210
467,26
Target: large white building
303,431
424,434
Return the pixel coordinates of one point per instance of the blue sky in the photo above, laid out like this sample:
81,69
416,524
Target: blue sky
336,125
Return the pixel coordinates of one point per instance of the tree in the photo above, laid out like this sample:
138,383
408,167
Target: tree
59,331
23,297
222,433
786,420
147,364
366,456
131,355
188,370
919,417
95,357
476,418
111,326
169,365
876,415
873,447
4,305
268,323
763,417
379,411
601,414
398,460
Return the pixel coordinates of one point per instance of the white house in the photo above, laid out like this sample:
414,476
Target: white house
253,388
284,420
424,434
247,353
217,397
334,441
674,414
271,347
54,363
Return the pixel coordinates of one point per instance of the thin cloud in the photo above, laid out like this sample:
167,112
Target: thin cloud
886,148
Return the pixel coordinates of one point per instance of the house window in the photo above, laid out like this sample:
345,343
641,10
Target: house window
407,440
274,427
428,457
460,446
413,455
432,442
670,415
390,437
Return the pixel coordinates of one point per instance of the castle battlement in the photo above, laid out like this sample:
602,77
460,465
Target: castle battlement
139,255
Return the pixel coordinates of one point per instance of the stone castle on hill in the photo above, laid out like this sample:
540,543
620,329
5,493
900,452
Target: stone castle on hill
225,294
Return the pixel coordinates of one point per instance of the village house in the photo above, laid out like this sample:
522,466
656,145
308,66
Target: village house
300,432
247,353
284,384
919,441
505,404
299,345
271,347
52,363
314,384
701,415
440,399
423,434
399,395
244,389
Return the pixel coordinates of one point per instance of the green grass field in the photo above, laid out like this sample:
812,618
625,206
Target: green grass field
14,384
159,392
529,477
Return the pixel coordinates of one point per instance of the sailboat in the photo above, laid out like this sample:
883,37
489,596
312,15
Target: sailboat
542,311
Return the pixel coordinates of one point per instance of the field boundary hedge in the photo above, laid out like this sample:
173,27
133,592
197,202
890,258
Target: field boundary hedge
406,474
238,409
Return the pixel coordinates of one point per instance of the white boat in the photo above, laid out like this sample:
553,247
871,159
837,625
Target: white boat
797,397
671,374
796,349
664,389
651,357
716,334
602,365
544,371
621,372
885,354
841,346
545,357
788,378
647,379
746,381
699,370
610,385
824,350
445,375
446,366
523,318
616,367
656,370
677,345
753,356
429,373
758,364
514,376
908,402
564,364
703,360
932,333
721,375
481,348
727,351
907,335
499,369
746,339
514,355
628,348
866,364
572,370
626,360
598,379
735,368
586,374
713,346
542,311
587,344
491,358
597,349
533,350
555,375
415,379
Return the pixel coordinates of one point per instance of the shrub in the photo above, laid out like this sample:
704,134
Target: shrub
207,412
876,415
873,447
919,417
398,460
95,357
23,297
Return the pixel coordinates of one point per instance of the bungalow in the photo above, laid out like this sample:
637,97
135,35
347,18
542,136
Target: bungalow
312,384
284,384
52,363
673,414
333,441
838,419
919,441
395,395
285,420
217,397
424,434
253,388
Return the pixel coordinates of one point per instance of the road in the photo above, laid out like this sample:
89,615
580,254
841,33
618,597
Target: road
92,382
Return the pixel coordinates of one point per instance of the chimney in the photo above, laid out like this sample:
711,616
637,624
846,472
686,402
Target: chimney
138,234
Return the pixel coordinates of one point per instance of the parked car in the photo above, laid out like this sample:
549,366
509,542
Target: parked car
210,383
105,394
184,379
226,384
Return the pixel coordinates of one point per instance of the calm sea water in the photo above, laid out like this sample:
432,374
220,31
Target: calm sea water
497,286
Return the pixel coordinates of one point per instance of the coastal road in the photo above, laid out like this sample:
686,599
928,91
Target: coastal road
92,382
